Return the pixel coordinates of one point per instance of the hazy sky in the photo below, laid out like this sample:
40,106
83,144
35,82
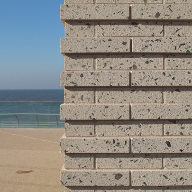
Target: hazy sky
30,32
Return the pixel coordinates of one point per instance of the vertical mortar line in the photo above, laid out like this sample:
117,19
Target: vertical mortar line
130,12
130,178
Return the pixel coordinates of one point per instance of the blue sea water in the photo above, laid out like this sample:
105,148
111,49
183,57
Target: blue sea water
31,108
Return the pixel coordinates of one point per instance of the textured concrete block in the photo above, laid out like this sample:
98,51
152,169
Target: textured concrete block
177,188
78,2
95,178
178,127
95,78
177,161
178,95
128,161
178,1
127,28
161,145
79,129
129,1
166,12
79,95
178,29
130,62
161,178
95,12
79,29
163,45
79,161
161,111
129,95
128,128
95,45
178,62
161,78
95,145
97,112
79,62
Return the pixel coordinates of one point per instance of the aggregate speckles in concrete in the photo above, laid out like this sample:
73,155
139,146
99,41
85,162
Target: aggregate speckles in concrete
163,45
130,62
79,29
94,12
178,29
161,78
79,161
78,95
129,95
78,2
79,189
95,78
161,145
129,161
95,178
165,12
128,128
177,161
94,112
129,1
161,178
79,129
178,95
95,145
95,45
178,1
128,28
178,61
178,128
161,111
79,62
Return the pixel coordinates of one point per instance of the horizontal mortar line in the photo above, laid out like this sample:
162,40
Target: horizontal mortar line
129,53
137,137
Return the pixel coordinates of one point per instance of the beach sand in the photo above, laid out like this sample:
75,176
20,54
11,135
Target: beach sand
30,160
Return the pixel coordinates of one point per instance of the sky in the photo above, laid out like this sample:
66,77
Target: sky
30,32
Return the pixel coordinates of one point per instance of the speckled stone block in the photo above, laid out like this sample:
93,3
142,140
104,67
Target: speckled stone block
161,178
161,78
128,161
163,45
178,29
95,78
79,95
178,62
178,95
95,45
161,145
95,178
95,12
95,145
178,1
161,111
79,62
128,128
178,189
94,112
130,189
129,95
78,2
178,128
128,28
79,29
130,62
165,12
79,161
129,1
79,129
177,161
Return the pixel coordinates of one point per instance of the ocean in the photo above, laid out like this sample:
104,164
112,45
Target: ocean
31,108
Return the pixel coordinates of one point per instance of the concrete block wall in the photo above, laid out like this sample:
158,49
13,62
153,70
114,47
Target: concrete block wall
128,95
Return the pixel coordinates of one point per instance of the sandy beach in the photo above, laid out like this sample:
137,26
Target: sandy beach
30,160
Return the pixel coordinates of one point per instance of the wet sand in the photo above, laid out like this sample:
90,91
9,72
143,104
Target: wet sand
30,160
